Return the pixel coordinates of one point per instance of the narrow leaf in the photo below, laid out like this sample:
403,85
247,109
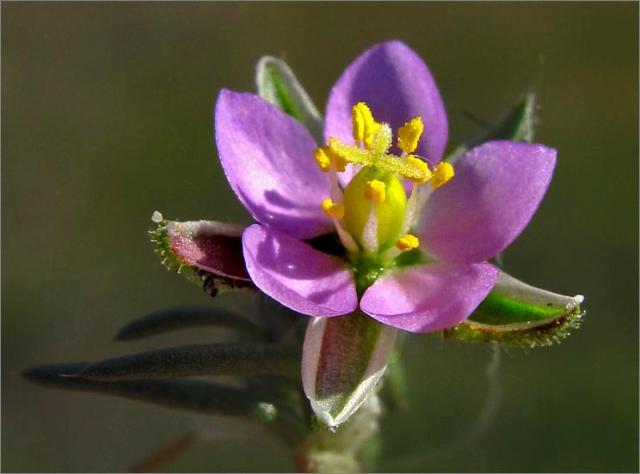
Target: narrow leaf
517,314
343,360
208,253
195,360
194,395
170,319
277,84
517,125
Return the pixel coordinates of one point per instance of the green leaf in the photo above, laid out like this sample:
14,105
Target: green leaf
343,359
208,253
171,319
277,84
517,314
199,396
201,359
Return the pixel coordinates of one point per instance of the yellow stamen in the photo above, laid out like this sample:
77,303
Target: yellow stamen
409,134
375,191
364,125
339,162
384,162
326,158
324,162
333,209
422,166
407,242
442,174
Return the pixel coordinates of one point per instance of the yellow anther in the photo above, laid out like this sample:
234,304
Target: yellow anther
375,191
443,173
333,209
325,157
323,160
409,134
422,166
364,125
407,242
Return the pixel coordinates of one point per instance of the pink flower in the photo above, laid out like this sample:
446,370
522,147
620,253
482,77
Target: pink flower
415,254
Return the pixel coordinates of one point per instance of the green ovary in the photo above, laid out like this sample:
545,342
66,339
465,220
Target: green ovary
390,212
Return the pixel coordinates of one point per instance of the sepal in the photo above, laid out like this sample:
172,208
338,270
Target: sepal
209,253
520,315
276,83
343,359
517,125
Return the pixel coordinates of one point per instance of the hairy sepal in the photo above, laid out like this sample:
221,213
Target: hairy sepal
343,359
520,315
208,253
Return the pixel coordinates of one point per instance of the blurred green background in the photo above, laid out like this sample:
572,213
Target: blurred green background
106,117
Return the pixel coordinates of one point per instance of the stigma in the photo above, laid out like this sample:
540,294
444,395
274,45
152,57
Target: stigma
373,212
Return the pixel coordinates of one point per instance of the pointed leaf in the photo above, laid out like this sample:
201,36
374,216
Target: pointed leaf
277,84
199,396
517,314
208,253
517,125
195,360
343,360
170,319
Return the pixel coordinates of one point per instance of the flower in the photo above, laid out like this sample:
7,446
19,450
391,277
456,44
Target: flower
415,232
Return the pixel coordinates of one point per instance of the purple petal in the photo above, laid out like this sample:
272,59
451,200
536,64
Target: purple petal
397,85
429,298
496,189
268,159
208,245
298,276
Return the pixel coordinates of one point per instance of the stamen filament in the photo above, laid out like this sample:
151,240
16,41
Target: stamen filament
370,231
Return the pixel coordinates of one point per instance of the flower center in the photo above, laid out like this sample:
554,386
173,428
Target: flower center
372,214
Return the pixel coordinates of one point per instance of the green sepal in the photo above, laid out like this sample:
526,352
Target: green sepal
517,125
231,358
520,315
276,83
343,360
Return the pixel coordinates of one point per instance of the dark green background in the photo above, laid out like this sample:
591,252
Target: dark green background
106,116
